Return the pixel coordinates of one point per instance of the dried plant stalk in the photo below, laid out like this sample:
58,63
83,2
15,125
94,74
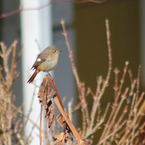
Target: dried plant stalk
10,119
46,92
118,128
121,123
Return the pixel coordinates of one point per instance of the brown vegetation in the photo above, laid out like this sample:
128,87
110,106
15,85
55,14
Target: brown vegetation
121,123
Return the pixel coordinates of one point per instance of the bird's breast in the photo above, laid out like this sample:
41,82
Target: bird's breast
48,64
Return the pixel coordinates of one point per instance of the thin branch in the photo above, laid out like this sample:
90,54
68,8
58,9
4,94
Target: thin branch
80,85
135,109
105,84
70,55
21,9
40,134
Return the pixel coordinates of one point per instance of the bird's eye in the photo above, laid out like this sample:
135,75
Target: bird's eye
55,51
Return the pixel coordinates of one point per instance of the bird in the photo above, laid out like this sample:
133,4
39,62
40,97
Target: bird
45,61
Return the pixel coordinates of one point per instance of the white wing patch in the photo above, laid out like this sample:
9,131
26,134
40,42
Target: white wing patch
38,59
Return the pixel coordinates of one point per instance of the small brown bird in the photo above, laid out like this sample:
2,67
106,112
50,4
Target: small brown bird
46,61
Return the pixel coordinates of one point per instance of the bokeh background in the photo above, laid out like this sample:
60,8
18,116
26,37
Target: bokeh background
85,23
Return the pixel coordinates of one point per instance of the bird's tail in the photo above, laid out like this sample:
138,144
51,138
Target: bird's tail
33,76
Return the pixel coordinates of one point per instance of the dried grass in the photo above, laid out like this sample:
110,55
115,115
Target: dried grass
121,123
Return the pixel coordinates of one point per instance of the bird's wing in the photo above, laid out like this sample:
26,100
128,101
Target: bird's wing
38,61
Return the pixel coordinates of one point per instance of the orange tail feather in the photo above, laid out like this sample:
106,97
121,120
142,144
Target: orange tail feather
33,76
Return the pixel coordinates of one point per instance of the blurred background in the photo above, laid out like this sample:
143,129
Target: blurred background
85,24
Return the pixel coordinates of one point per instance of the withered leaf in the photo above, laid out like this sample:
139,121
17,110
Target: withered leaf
60,139
46,91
